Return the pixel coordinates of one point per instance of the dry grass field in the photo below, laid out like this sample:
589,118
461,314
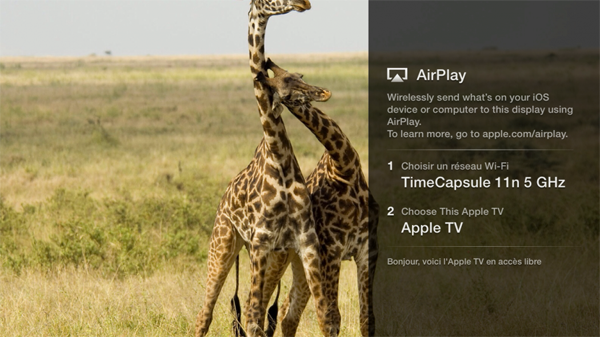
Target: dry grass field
111,170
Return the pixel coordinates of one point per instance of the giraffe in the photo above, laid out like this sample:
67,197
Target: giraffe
259,14
260,11
345,212
266,207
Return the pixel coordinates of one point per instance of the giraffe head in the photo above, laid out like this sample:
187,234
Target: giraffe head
275,7
290,89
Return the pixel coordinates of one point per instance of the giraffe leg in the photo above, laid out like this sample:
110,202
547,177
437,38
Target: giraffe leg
294,305
331,279
255,313
365,273
225,244
272,314
277,264
309,255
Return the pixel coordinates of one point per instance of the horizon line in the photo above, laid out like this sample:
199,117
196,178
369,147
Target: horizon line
244,55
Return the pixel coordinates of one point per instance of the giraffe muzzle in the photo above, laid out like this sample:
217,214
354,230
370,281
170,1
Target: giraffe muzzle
321,95
301,5
326,95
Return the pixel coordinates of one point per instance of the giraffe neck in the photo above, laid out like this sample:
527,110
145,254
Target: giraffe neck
344,157
275,135
257,25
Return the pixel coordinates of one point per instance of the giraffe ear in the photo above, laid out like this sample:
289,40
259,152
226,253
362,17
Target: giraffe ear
275,68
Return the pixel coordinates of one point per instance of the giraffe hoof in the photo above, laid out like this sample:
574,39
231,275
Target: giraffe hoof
255,331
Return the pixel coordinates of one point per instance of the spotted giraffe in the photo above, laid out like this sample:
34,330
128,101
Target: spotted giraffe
266,207
346,214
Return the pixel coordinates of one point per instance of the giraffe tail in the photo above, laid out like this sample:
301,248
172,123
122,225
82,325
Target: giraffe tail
272,314
236,308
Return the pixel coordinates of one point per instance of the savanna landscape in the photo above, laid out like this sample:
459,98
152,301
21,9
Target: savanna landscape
112,168
111,172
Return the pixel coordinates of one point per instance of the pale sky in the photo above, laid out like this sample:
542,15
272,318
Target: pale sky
197,27
173,27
